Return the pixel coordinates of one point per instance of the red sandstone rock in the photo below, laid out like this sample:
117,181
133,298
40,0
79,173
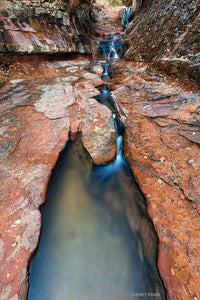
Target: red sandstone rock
45,27
167,35
162,145
42,100
107,18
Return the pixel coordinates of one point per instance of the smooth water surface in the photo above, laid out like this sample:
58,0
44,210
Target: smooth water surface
87,249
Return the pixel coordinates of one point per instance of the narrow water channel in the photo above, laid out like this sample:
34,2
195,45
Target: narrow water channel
97,241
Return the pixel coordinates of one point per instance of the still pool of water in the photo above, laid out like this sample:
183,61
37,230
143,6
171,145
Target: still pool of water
87,249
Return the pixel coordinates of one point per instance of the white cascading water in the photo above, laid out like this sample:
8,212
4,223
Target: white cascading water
108,48
128,15
125,16
119,154
113,52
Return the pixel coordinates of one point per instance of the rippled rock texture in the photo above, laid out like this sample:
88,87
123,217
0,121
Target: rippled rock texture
166,34
42,100
162,145
45,26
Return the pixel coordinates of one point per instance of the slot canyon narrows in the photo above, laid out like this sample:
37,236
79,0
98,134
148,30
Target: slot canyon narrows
92,92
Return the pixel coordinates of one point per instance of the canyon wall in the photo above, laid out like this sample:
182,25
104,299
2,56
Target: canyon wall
42,100
162,142
38,26
166,34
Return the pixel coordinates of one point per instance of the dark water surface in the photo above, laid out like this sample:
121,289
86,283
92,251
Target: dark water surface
87,249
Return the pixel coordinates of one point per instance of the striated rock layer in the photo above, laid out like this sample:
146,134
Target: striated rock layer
42,100
43,97
162,145
45,26
166,34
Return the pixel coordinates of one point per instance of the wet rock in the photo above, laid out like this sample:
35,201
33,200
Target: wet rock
161,142
166,34
162,145
42,100
35,27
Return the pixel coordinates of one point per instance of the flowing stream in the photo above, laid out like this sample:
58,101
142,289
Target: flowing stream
97,241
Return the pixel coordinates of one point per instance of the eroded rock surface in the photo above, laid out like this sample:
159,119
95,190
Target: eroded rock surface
166,34
45,26
42,100
162,145
107,19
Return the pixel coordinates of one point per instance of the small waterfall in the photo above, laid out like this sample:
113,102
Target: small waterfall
113,52
119,128
126,16
119,154
111,48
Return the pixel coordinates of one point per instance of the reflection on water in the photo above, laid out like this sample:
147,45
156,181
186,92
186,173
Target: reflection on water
87,249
